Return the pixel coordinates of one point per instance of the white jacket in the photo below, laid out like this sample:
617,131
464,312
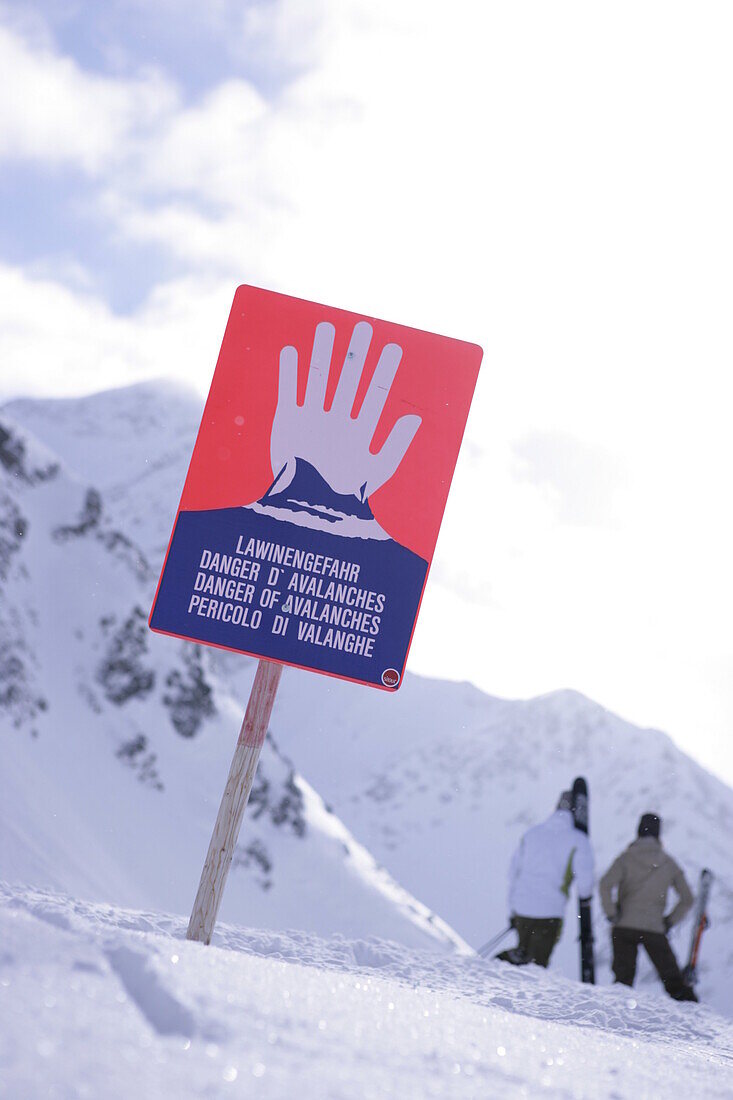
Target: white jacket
547,860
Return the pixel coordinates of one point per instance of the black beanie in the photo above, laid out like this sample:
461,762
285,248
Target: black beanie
649,825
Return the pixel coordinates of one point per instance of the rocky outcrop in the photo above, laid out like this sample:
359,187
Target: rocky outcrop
90,522
123,673
188,696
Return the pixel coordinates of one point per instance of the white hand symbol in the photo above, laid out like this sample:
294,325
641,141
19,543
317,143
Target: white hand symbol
334,442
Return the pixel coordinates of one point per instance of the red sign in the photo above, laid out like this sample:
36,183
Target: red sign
316,488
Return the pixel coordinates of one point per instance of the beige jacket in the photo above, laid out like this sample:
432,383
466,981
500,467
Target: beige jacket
641,877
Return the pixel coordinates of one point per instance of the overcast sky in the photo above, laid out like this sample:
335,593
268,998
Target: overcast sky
550,180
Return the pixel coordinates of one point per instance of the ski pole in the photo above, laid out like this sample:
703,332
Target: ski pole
492,943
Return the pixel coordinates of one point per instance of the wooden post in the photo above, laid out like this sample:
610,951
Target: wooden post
234,801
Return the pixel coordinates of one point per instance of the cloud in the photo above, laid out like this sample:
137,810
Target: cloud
54,113
209,149
56,341
582,479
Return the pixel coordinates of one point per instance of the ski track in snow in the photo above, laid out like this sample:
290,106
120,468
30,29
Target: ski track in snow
87,988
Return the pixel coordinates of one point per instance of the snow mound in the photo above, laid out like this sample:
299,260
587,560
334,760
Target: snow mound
101,1001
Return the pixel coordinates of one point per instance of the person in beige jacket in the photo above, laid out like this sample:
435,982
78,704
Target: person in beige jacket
634,897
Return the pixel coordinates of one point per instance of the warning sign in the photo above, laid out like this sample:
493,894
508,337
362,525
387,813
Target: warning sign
316,488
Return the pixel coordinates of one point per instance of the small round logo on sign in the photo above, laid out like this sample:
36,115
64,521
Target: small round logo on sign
390,677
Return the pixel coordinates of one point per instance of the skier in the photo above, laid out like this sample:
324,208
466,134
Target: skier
641,877
549,856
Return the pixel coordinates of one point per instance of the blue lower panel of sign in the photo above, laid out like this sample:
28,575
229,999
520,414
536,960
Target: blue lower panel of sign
242,579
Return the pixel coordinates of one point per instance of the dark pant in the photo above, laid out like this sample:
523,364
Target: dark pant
537,937
625,944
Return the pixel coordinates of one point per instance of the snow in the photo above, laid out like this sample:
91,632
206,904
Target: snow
101,1001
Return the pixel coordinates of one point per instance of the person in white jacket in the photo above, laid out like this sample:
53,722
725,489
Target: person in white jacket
549,857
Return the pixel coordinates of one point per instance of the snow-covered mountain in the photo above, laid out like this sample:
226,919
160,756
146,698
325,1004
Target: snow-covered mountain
133,732
441,784
116,744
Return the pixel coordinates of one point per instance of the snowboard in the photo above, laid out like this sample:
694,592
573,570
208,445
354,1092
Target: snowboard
701,922
580,816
